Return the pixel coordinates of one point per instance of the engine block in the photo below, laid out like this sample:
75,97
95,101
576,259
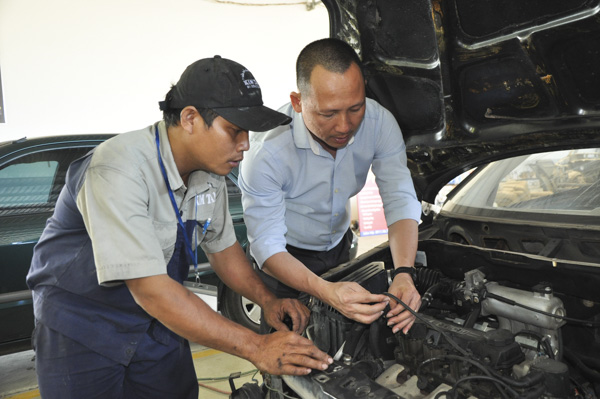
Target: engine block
464,343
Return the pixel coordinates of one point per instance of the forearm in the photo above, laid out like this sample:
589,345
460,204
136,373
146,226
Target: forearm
234,269
188,316
403,236
290,271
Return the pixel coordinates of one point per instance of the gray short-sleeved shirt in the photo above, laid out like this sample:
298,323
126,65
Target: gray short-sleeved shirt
128,213
114,221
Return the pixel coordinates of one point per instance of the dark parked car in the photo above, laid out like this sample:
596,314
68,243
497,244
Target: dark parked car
470,83
32,173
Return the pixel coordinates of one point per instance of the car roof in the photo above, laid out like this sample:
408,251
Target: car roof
475,81
11,149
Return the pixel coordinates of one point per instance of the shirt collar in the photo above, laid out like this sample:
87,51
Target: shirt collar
314,146
199,180
166,153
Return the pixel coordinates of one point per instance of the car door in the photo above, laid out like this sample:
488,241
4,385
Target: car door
32,174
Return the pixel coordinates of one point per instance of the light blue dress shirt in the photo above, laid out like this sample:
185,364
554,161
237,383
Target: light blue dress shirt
294,192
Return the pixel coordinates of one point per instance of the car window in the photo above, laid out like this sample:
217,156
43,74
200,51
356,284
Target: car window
233,191
553,182
27,183
33,182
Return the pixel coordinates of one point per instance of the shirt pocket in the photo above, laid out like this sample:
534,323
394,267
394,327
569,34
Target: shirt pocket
200,209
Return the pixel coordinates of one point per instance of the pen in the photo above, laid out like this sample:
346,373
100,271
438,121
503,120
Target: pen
206,226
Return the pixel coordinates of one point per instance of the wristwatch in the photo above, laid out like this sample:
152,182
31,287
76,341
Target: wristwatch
405,269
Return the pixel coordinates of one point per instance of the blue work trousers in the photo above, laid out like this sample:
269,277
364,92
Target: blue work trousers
67,369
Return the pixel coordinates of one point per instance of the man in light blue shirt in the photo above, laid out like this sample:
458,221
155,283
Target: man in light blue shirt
297,181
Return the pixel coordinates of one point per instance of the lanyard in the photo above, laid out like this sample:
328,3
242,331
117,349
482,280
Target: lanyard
192,254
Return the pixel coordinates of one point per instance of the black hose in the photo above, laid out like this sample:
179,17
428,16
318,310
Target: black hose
427,297
448,338
531,379
374,331
473,362
547,347
514,393
590,361
536,393
585,370
352,338
426,278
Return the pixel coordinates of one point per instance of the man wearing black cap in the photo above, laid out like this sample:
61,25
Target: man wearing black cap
112,317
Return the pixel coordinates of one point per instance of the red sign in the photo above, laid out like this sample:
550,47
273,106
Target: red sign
371,219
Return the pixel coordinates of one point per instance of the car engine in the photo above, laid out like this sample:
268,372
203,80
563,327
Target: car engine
472,338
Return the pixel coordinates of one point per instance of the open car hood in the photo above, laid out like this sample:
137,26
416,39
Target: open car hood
476,81
470,82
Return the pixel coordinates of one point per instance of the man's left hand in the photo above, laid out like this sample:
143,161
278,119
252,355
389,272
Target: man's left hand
276,310
404,289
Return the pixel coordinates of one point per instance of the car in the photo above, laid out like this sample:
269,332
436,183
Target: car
32,173
487,86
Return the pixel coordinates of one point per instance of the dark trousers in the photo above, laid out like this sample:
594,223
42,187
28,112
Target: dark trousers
67,369
317,261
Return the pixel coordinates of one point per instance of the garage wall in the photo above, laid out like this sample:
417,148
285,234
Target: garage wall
95,66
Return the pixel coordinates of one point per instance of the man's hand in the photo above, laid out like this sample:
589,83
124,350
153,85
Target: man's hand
288,353
404,289
276,310
355,302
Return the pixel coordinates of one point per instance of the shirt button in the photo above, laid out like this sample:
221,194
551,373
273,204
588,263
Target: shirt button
334,231
336,190
336,214
129,351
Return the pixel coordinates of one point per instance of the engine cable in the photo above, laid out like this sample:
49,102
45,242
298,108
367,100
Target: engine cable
450,340
473,362
542,341
453,357
455,345
483,377
279,391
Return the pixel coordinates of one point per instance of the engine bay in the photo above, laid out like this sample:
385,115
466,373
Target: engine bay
478,334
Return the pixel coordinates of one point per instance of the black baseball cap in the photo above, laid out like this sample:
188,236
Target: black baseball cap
227,88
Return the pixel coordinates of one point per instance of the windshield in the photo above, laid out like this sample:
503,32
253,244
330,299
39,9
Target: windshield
559,182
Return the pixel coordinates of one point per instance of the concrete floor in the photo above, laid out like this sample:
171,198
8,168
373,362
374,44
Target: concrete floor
213,368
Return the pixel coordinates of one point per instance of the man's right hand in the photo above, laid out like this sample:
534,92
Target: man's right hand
287,353
349,298
354,301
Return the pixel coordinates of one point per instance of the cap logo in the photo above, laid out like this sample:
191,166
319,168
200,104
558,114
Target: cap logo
250,83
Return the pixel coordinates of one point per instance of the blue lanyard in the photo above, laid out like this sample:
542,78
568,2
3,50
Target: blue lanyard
176,208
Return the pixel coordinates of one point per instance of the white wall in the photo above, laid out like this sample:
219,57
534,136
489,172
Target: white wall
95,66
